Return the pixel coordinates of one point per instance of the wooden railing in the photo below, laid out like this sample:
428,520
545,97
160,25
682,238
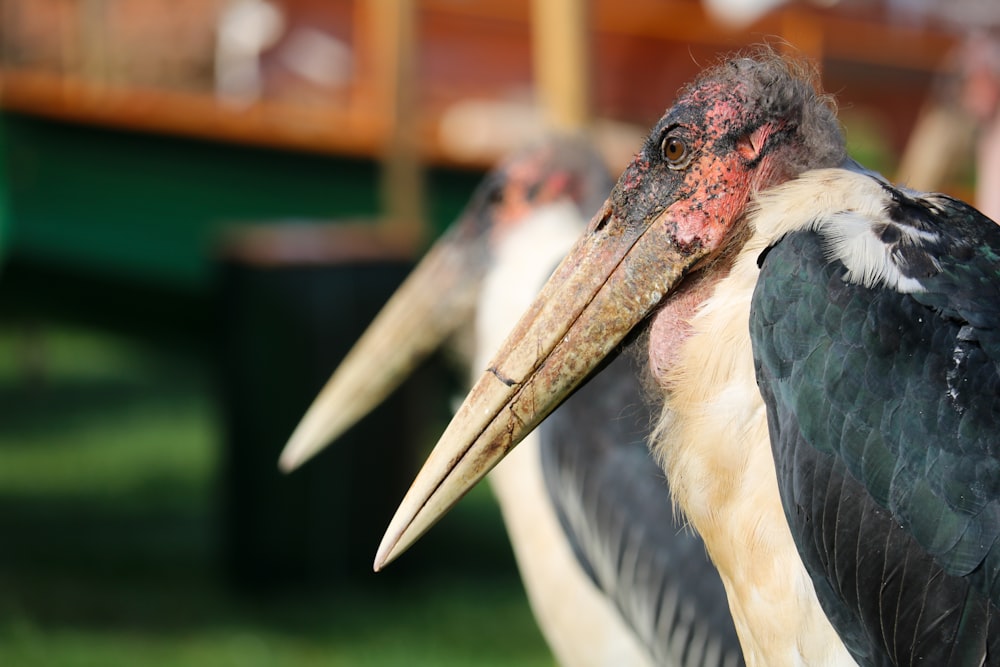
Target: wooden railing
642,51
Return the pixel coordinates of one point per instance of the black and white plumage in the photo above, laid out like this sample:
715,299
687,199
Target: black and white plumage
885,412
849,500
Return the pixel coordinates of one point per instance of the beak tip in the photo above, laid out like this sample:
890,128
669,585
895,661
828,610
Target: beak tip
386,553
399,536
287,464
309,439
292,456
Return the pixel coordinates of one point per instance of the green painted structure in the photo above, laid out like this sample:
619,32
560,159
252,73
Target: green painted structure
3,196
142,207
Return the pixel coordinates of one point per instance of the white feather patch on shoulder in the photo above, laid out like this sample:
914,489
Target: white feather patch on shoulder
849,210
870,261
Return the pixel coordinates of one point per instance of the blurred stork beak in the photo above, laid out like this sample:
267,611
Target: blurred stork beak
435,299
610,281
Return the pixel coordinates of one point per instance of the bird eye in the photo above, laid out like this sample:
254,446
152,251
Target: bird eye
495,193
675,151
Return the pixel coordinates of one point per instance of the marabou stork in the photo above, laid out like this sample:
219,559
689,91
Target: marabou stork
606,588
827,348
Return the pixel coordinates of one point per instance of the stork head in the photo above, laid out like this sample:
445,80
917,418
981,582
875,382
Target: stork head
559,169
743,126
439,297
738,129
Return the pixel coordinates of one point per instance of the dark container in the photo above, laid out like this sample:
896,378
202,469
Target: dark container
292,301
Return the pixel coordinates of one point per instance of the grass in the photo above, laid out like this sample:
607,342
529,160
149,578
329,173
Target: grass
109,555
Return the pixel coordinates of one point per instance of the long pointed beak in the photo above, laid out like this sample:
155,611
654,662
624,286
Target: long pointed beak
435,299
610,281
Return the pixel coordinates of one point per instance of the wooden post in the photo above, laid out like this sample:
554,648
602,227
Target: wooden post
391,39
560,33
940,138
95,59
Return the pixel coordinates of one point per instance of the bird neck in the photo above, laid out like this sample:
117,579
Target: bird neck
713,443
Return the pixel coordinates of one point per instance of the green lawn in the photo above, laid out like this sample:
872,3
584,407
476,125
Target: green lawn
110,533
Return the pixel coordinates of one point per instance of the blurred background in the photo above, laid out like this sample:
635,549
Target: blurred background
202,205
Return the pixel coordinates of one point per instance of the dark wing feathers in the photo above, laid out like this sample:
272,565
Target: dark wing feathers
965,287
884,411
614,504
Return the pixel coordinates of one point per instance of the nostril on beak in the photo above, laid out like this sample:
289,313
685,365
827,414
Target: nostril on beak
600,221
